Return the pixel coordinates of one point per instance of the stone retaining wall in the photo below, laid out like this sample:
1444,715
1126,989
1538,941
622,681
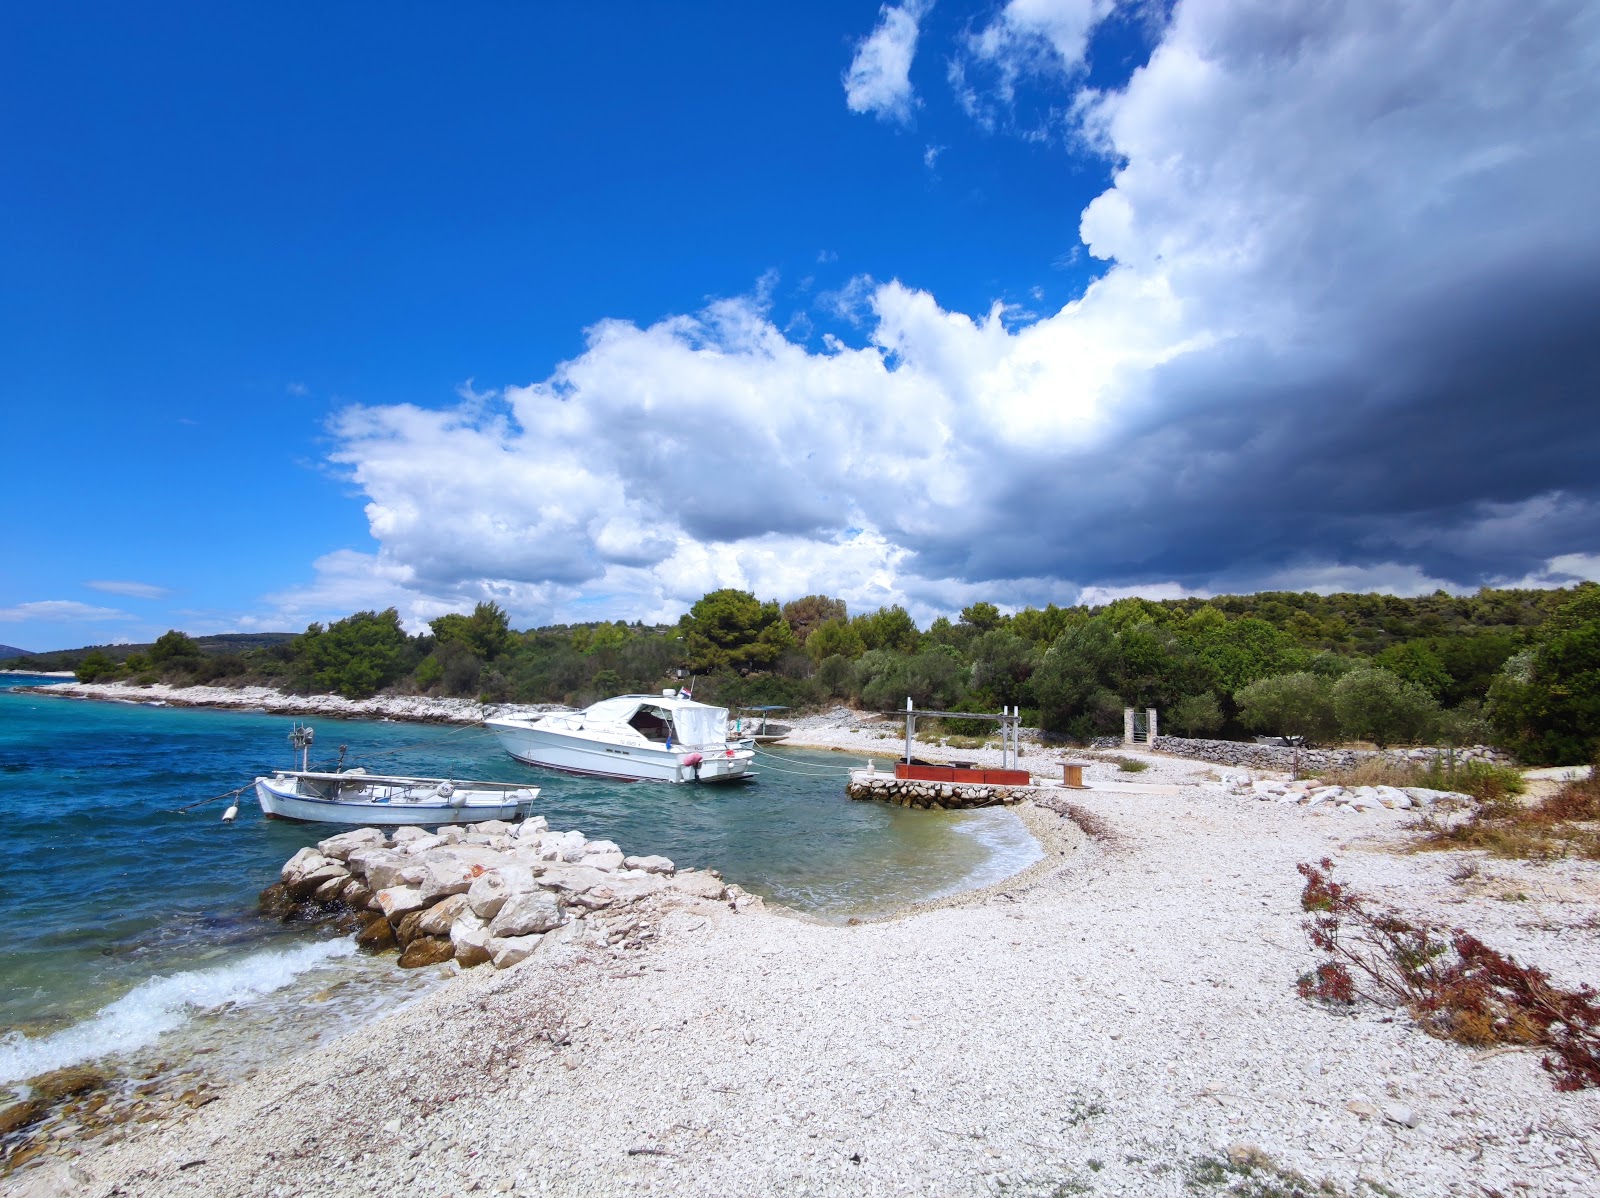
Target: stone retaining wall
1249,755
932,796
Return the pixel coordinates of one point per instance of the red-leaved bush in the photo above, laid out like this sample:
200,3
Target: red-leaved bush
1455,986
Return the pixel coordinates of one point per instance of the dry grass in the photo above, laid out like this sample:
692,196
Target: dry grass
1567,824
1482,780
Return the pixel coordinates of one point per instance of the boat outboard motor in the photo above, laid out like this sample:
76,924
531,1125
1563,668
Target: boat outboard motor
693,760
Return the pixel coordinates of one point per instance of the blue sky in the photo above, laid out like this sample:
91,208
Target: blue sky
305,309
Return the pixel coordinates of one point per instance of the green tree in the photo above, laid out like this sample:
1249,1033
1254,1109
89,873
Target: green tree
1299,704
1416,662
1545,705
888,628
175,650
1002,663
835,638
429,673
486,632
732,629
1238,652
934,679
1044,626
1194,715
1078,680
354,657
805,615
981,617
1373,704
96,665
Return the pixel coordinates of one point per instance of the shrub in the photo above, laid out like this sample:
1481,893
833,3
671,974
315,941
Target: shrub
1455,986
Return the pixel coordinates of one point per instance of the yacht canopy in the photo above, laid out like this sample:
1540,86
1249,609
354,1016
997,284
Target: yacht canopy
692,723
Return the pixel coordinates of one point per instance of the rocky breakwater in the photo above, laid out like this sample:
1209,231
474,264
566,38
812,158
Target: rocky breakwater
932,796
1309,792
488,893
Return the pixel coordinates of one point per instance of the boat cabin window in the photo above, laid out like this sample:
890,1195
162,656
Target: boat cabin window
652,723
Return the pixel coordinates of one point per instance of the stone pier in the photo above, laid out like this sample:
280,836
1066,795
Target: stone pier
932,796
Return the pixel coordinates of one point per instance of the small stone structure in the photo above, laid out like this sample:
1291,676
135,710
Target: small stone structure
490,892
1132,734
932,796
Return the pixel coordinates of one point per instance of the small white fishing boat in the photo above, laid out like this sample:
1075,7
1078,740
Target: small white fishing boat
635,738
358,798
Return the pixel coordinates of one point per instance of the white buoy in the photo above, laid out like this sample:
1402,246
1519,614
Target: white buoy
230,813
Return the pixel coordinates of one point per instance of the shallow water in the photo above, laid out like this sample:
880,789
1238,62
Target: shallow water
128,922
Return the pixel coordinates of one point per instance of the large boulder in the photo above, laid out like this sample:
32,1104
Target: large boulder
396,901
493,827
651,865
406,835
470,936
561,846
408,929
339,847
309,882
302,863
377,937
382,868
506,951
489,892
530,829
572,879
427,950
436,920
697,883
606,862
527,913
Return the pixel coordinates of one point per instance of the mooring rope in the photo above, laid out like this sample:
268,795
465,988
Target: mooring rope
202,802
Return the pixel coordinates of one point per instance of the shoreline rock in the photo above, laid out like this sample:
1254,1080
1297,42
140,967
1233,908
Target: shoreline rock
487,893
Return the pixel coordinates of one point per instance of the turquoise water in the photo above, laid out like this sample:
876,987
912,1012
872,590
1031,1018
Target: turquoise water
125,918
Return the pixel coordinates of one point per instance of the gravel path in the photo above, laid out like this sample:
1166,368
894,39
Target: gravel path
1116,1020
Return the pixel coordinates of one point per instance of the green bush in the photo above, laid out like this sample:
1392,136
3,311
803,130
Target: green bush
1373,704
1545,704
1299,704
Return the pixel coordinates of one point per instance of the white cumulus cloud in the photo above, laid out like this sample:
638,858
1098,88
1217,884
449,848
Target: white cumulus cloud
1339,244
879,78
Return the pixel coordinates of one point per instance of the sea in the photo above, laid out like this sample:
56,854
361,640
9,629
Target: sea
129,933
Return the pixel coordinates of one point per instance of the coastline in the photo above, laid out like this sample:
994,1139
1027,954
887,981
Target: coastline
416,709
1119,1017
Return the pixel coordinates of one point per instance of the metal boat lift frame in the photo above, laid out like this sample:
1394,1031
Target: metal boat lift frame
1009,719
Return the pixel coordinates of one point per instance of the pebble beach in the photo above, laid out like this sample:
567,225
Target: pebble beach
1118,1018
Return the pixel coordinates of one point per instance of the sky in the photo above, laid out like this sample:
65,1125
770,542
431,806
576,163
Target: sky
587,310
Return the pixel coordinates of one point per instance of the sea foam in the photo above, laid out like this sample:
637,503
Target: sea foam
160,1004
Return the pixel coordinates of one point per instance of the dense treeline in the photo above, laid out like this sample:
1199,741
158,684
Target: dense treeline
1519,666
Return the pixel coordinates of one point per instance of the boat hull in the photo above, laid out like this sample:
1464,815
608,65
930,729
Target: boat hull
572,754
283,799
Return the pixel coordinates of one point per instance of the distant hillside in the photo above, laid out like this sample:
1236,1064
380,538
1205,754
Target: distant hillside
67,659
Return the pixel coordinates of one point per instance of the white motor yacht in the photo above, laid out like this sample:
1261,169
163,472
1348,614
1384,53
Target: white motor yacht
640,738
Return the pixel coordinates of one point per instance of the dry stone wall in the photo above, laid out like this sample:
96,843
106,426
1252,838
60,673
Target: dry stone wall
932,796
1250,755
